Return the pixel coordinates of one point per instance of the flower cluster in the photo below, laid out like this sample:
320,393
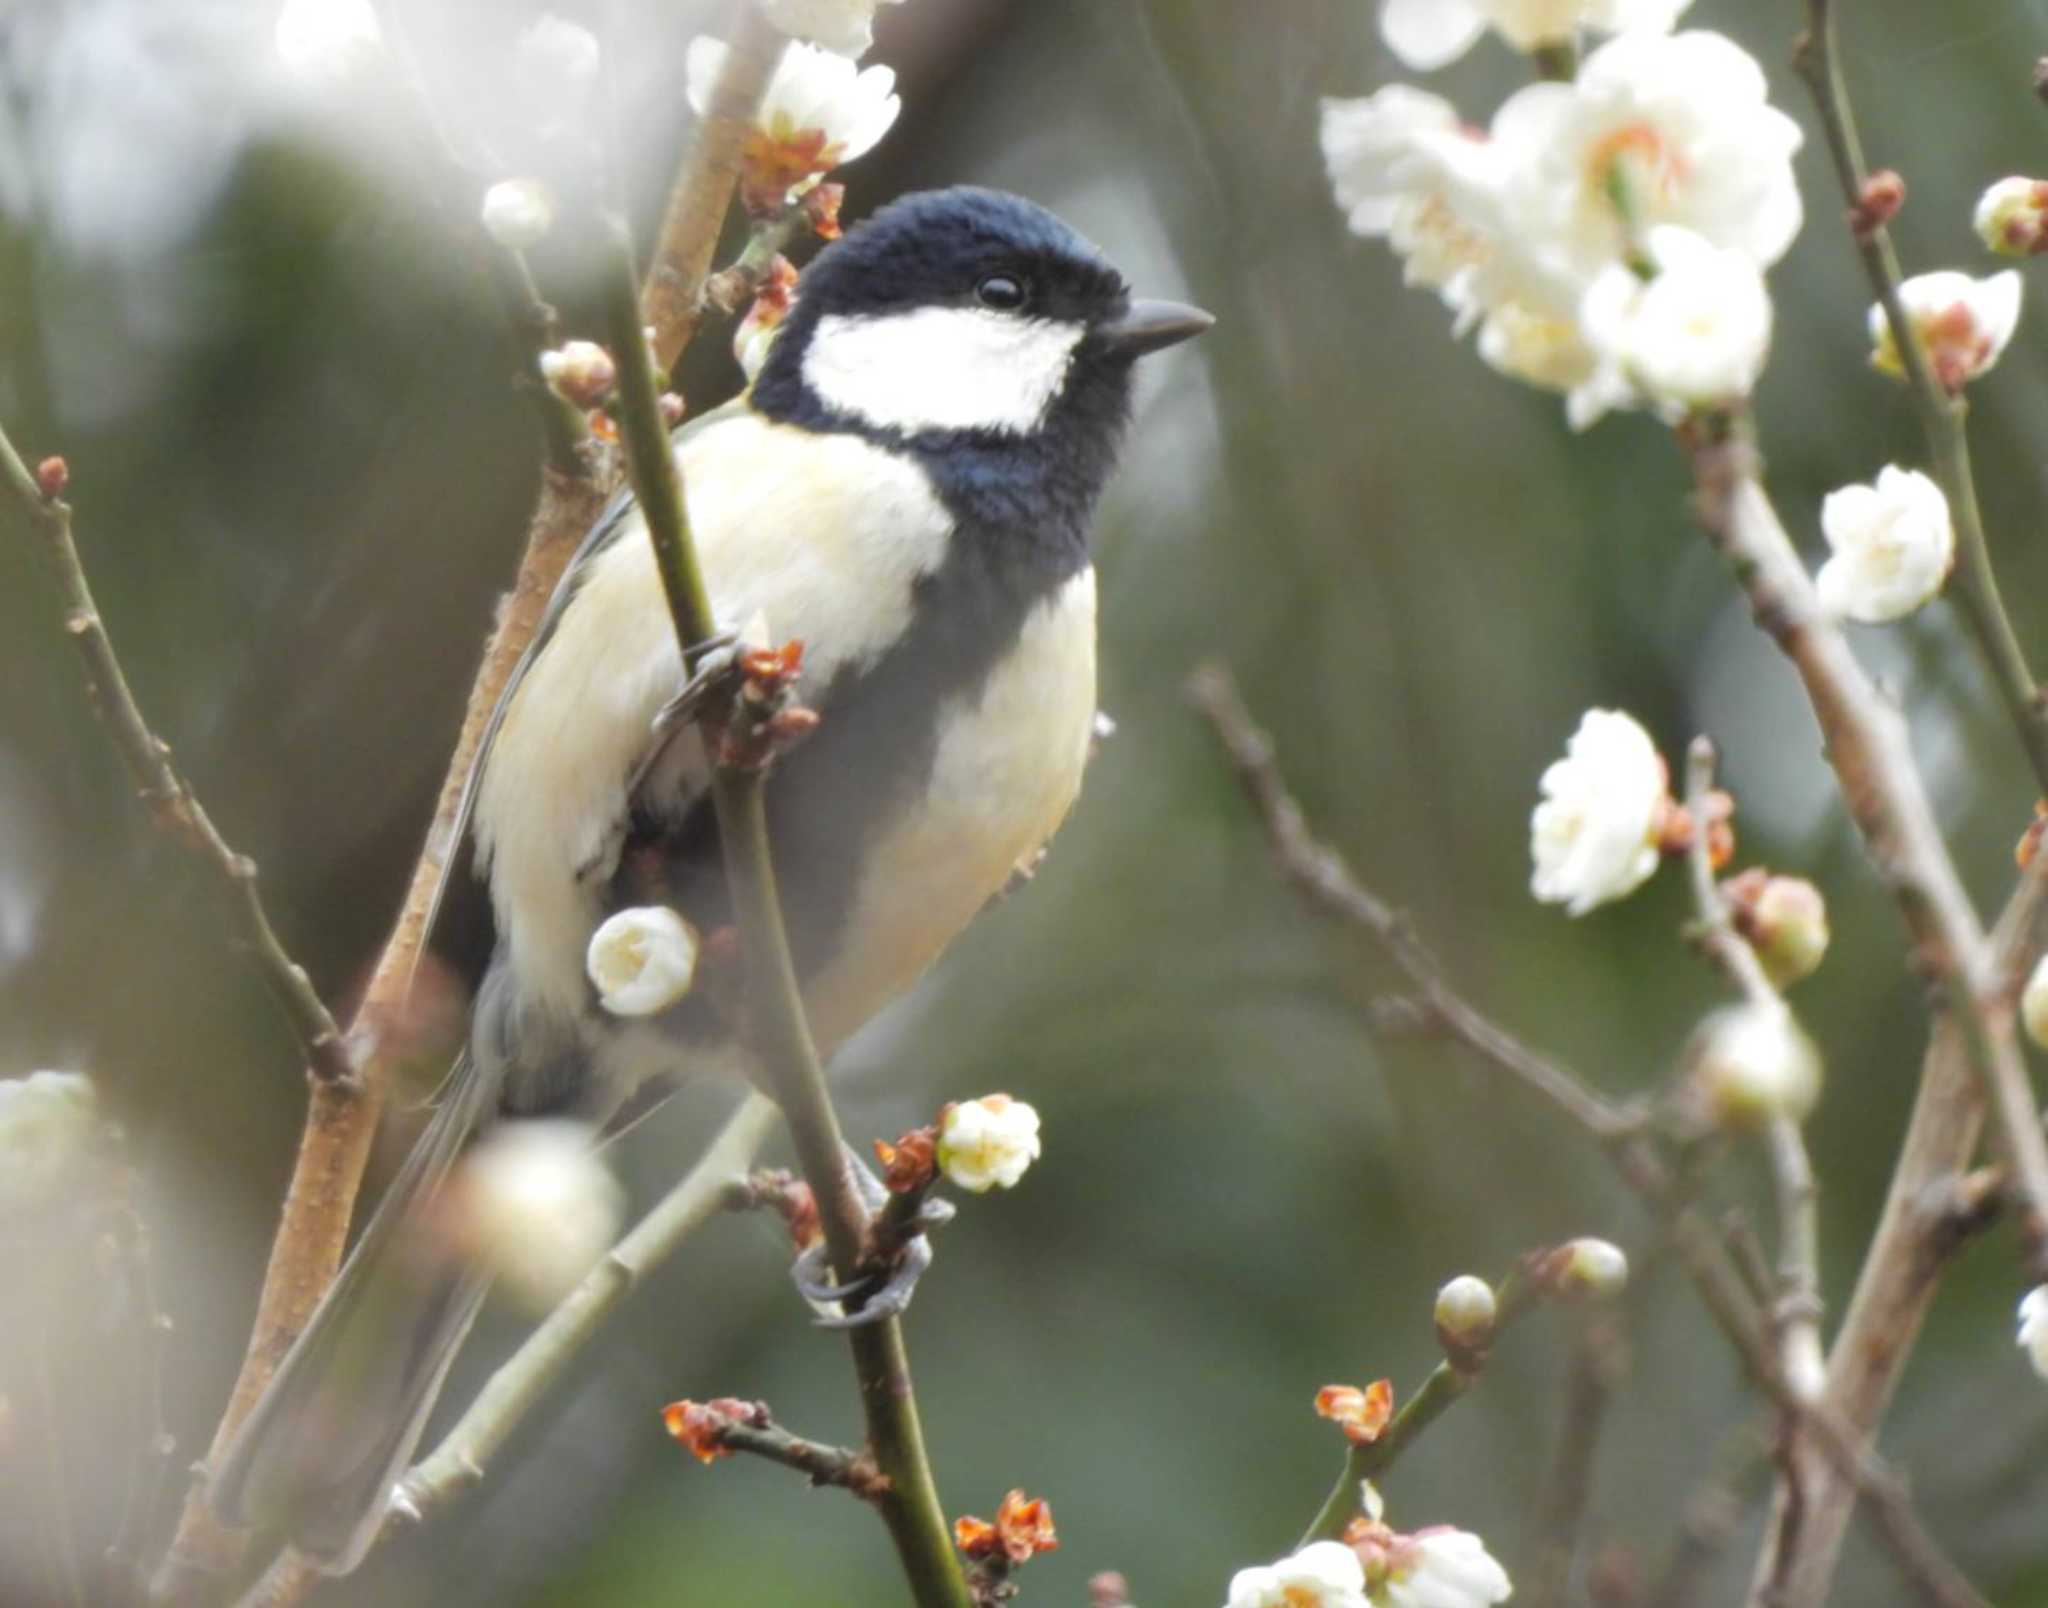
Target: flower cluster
1606,237
820,112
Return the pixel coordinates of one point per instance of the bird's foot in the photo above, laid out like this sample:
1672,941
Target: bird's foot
898,1253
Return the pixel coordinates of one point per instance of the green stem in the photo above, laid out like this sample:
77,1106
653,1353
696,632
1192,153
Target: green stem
778,1033
1942,416
1371,1459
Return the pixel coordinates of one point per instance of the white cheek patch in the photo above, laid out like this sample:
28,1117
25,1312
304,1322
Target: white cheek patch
941,368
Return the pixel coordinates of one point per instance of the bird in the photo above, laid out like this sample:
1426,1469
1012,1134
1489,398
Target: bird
908,488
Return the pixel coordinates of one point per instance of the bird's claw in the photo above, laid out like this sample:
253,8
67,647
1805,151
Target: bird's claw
882,1292
715,656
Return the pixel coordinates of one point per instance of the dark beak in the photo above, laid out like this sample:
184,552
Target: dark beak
1148,326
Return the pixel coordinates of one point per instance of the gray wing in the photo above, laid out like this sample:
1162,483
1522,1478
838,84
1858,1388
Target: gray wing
456,861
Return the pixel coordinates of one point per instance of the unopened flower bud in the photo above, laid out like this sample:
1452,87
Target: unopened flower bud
1883,193
2034,1328
988,1142
642,960
1465,1313
534,1203
1785,920
1752,1064
517,213
52,476
49,1123
579,372
2034,1004
1963,323
1593,1267
2012,217
555,66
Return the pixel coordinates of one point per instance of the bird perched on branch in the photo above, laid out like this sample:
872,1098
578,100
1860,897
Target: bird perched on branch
907,488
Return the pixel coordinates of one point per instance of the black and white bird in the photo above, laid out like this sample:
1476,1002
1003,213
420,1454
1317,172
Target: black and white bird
908,489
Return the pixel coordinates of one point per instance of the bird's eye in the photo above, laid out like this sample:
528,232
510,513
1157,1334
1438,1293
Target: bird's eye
1003,292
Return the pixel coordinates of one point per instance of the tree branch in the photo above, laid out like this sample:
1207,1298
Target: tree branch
167,796
778,1032
1943,417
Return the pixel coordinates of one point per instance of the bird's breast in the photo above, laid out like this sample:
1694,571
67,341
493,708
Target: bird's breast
1005,769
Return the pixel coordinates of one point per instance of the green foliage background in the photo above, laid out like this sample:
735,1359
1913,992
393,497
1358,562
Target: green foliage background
300,474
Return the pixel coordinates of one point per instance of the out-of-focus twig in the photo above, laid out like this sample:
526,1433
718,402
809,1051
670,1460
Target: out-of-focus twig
465,1451
1942,416
1598,1360
1321,874
777,1030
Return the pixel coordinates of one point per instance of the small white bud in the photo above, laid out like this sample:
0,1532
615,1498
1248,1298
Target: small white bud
988,1142
555,65
49,1122
2034,1328
2012,217
517,213
1785,920
581,372
642,960
1465,1311
1753,1063
1594,1267
327,41
2034,1004
1891,545
536,1205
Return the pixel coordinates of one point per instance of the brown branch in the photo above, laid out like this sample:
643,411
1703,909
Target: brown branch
673,296
1321,875
341,1117
1329,884
718,1428
166,795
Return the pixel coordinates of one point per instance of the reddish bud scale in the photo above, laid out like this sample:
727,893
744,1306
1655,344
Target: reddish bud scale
1023,1528
911,1163
820,205
702,1426
1879,201
1361,1414
52,476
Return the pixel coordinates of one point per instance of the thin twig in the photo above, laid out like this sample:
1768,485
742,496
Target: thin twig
1321,874
1942,416
1368,1460
465,1452
171,803
1866,743
778,1032
1598,1359
717,1428
1324,878
1713,925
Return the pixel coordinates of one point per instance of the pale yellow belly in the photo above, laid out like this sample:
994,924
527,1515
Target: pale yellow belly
1007,769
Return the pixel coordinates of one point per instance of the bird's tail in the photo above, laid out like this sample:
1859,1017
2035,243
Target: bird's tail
318,1456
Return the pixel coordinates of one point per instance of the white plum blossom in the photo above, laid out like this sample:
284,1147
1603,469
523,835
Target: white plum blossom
1514,226
1963,323
2012,217
1323,1574
642,960
1693,335
1656,129
1444,1568
517,213
327,41
846,27
1891,545
555,62
1594,836
2034,1003
820,112
1752,1064
2034,1328
1427,34
48,1124
534,1203
988,1142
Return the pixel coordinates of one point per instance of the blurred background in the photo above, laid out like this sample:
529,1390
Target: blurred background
301,472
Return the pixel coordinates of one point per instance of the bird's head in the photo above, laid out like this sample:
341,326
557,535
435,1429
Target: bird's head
964,313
